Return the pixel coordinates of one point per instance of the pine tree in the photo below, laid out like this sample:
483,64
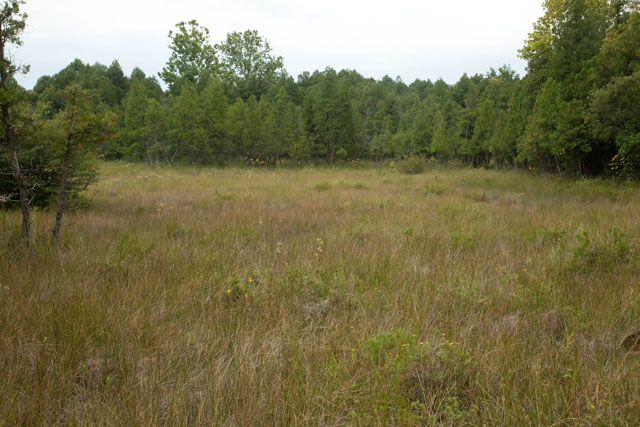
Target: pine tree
186,133
155,123
132,136
213,104
284,123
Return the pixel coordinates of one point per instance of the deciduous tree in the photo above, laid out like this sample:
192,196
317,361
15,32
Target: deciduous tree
193,59
248,64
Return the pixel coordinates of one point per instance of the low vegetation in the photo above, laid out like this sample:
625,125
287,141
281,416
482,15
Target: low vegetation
325,295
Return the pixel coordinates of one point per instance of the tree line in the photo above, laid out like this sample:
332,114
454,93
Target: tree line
575,112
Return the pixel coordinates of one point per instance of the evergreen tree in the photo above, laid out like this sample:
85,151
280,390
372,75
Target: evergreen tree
132,136
442,143
79,129
213,102
188,137
155,123
481,142
510,125
236,124
284,123
12,24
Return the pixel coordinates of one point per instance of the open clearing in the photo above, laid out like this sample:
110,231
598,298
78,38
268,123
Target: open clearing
326,296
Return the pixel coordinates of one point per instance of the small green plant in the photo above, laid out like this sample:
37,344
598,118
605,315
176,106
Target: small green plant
412,166
319,247
131,248
441,386
322,186
433,189
224,196
360,186
386,203
393,349
239,288
453,412
546,236
551,235
614,249
462,241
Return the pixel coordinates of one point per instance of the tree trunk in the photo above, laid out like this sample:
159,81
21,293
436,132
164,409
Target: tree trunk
63,196
146,149
18,176
559,169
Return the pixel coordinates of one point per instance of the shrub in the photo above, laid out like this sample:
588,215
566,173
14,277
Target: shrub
412,165
342,154
604,254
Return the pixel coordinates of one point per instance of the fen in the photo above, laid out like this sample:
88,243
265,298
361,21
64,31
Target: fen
325,295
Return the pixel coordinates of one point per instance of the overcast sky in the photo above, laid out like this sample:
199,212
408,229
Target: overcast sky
425,39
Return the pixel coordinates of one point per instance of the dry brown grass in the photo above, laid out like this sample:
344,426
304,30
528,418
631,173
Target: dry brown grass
325,297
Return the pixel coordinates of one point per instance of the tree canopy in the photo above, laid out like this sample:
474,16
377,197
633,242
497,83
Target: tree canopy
573,113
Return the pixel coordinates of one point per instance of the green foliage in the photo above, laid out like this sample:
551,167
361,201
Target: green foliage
549,236
620,52
614,120
155,125
328,117
130,249
571,51
284,124
187,137
479,145
461,241
624,168
75,132
133,136
193,60
412,166
78,129
12,25
239,288
571,114
248,64
322,186
510,126
607,253
42,172
342,154
394,349
443,141
213,105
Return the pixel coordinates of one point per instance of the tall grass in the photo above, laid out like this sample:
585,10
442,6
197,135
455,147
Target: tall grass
325,297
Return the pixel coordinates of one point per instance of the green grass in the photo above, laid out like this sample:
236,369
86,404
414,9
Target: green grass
325,296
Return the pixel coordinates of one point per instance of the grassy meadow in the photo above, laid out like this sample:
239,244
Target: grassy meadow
325,296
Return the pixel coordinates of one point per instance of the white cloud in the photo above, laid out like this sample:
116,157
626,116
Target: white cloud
413,39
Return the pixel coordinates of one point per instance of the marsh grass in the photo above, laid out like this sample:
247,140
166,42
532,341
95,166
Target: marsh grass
272,297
